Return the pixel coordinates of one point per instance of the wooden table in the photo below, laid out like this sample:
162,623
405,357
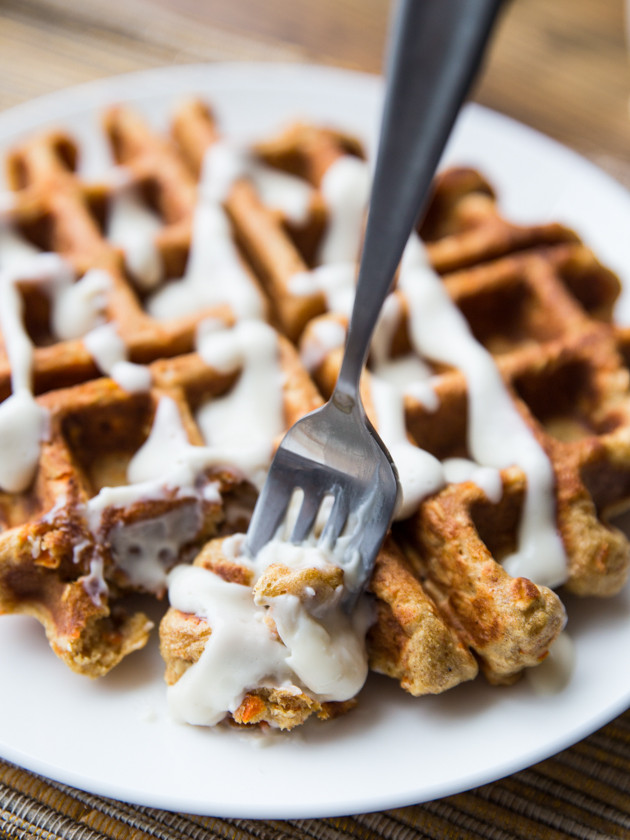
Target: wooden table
559,66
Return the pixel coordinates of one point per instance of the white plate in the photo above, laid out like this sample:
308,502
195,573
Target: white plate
113,737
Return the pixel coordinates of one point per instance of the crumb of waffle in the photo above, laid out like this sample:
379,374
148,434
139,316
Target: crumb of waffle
318,585
285,710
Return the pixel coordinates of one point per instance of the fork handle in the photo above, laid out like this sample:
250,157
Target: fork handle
436,48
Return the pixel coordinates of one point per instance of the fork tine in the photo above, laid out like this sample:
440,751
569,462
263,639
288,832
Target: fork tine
336,519
306,517
358,561
271,507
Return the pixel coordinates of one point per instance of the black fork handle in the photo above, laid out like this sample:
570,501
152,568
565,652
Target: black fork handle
436,48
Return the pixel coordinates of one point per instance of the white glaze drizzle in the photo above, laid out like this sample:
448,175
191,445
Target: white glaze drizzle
457,470
146,549
79,305
94,582
419,472
282,191
110,355
497,434
345,188
214,273
321,337
251,416
133,226
23,423
336,281
409,373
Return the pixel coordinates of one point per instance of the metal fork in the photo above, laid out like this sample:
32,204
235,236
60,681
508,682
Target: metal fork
334,451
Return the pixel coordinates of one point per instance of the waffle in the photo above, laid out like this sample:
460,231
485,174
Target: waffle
229,304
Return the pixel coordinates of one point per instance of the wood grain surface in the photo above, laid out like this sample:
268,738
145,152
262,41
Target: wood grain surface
560,66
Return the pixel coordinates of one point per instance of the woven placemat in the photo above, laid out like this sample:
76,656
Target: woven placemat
583,792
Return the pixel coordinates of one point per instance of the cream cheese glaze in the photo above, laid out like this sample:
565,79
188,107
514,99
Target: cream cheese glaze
246,421
497,434
215,272
345,188
133,226
110,355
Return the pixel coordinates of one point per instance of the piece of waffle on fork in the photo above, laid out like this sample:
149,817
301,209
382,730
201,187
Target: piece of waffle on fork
228,593
160,330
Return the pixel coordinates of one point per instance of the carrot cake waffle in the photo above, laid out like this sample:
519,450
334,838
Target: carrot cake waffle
162,328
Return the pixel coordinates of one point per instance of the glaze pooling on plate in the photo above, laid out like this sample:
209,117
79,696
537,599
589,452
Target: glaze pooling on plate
470,734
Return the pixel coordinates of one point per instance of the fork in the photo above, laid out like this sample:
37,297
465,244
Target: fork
334,452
